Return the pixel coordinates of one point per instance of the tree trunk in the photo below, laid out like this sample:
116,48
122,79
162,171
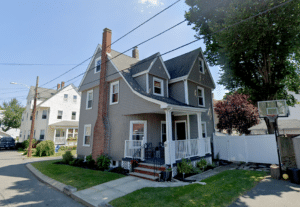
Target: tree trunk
270,126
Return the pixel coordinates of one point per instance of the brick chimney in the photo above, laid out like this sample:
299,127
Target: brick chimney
62,84
135,53
58,86
100,138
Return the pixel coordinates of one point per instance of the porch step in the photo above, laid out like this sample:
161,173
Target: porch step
152,166
144,176
147,171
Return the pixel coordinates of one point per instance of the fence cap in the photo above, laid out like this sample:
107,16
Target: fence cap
274,166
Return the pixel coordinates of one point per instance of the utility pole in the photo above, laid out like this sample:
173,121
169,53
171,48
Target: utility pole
33,118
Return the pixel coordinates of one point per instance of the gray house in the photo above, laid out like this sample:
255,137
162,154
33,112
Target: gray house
152,104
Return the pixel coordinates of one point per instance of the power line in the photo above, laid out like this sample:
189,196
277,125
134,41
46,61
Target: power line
34,64
115,41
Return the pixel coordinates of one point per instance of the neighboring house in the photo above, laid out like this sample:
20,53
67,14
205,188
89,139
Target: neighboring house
11,132
165,103
288,126
57,114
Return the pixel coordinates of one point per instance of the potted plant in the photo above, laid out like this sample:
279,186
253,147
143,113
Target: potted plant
166,174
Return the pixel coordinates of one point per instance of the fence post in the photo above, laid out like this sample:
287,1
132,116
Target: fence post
228,147
246,149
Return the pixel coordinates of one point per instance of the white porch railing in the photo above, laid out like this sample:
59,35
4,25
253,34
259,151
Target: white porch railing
132,146
60,140
192,147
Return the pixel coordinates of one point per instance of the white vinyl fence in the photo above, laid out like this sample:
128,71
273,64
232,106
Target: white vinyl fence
255,148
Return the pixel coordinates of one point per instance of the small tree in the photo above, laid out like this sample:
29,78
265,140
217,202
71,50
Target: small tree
236,112
12,115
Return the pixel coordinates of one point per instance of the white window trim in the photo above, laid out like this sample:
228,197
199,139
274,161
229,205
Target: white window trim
203,122
75,100
62,113
87,100
186,134
111,90
44,114
66,99
138,122
72,115
85,126
198,87
162,86
162,122
202,62
96,60
42,134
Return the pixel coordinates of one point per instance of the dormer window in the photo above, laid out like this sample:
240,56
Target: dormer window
97,65
201,65
158,87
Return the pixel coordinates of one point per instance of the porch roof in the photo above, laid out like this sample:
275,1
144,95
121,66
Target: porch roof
65,124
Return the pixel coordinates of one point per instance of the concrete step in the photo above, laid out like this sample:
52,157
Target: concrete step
144,176
147,171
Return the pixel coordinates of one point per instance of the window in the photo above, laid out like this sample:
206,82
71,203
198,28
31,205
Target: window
158,87
28,136
163,132
73,133
59,114
60,133
97,65
75,99
30,117
44,115
200,93
24,134
87,135
114,92
34,134
89,99
138,130
74,115
201,65
204,134
65,97
42,134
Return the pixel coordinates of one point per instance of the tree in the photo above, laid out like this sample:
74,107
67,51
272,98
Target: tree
258,52
236,112
12,115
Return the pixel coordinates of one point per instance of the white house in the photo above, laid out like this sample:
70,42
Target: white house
11,132
57,114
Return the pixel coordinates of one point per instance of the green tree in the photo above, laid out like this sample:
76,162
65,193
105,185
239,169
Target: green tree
258,52
12,115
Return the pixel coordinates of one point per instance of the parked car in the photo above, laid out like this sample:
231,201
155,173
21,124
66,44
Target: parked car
7,142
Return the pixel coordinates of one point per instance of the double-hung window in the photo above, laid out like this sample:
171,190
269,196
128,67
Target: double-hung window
73,115
201,65
42,134
75,99
200,94
204,134
59,114
65,97
114,92
98,65
44,115
158,86
89,99
87,135
138,130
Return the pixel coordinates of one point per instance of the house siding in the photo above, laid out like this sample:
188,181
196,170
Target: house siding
141,80
176,91
158,70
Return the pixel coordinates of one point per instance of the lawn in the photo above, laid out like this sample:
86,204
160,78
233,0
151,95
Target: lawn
59,153
220,190
77,177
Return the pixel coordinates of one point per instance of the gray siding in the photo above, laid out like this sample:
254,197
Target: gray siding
151,84
158,70
197,76
141,80
176,91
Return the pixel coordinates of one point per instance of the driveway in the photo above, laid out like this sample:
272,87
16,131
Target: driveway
18,187
271,193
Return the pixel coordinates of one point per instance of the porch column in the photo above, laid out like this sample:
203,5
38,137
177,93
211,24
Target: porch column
199,125
67,131
169,144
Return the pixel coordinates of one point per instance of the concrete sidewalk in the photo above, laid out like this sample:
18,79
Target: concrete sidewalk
271,193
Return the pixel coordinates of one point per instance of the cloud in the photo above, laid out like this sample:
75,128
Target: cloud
151,2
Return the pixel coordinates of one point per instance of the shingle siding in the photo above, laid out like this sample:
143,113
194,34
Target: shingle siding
176,91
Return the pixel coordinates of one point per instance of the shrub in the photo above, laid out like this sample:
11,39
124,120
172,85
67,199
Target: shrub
45,148
67,157
103,162
185,166
90,161
19,146
202,164
26,143
36,143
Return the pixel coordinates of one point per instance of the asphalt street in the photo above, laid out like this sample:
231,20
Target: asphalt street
19,187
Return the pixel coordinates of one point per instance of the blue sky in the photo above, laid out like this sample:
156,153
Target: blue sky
67,32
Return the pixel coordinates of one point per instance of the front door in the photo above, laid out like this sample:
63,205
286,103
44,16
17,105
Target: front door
180,131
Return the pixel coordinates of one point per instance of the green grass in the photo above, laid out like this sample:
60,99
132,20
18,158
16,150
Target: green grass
77,177
220,190
59,153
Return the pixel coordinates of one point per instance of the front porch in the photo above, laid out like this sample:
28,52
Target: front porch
183,135
65,133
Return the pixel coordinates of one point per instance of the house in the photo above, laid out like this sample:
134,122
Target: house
57,114
11,132
142,104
